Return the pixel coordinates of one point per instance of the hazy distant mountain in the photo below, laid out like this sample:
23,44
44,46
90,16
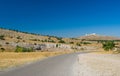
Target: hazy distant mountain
94,36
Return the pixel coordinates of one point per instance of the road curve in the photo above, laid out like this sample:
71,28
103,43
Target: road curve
54,66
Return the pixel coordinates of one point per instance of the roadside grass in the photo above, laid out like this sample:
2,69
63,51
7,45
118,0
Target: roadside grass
104,52
12,59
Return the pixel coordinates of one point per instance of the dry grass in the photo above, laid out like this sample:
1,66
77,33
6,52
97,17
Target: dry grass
11,59
103,52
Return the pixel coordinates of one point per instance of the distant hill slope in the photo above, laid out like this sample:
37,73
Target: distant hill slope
98,37
10,39
11,35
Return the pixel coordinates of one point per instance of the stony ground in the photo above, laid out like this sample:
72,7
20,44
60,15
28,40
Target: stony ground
92,64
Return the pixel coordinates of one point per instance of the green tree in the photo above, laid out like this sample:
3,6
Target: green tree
108,45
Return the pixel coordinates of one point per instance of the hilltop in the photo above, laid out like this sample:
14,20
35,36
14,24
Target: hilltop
94,36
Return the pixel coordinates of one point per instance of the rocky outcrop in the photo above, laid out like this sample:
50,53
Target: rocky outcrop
48,46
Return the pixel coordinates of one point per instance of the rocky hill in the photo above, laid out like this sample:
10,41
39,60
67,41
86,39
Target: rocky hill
98,37
10,39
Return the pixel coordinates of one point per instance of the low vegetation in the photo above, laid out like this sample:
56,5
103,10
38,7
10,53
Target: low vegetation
61,41
2,37
71,42
85,43
78,44
23,49
2,49
108,45
34,39
18,37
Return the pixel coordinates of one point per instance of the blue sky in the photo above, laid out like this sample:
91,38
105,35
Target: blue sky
64,18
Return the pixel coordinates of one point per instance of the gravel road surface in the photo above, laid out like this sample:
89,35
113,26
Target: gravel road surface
97,65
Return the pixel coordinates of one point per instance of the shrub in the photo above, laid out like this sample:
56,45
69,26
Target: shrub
85,43
17,41
35,43
2,37
0,45
3,49
23,49
7,43
11,37
71,42
49,38
78,44
51,41
59,38
18,49
45,40
108,45
18,37
74,38
23,40
35,39
42,40
61,41
57,45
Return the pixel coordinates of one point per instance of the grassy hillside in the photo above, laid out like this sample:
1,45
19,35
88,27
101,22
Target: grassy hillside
9,39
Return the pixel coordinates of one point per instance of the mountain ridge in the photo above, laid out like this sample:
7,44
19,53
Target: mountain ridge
94,36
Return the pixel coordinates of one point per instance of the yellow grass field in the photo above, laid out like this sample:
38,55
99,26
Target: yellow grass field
105,52
12,59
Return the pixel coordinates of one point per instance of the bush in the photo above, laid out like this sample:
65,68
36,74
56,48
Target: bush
2,37
78,44
71,42
35,39
18,37
35,43
108,45
3,49
7,43
45,40
51,41
49,38
23,40
0,45
57,45
23,49
59,38
85,43
61,41
18,49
